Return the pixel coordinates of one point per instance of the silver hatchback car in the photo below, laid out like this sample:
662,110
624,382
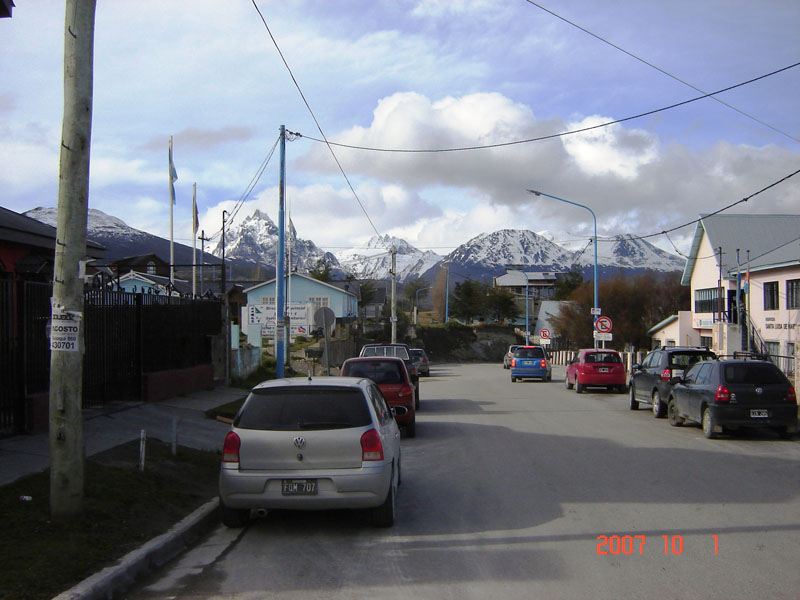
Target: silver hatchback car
311,444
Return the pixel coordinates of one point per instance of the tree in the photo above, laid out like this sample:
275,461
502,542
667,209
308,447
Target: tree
412,287
567,284
501,304
321,271
469,300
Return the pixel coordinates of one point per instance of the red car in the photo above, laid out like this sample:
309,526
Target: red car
391,376
596,367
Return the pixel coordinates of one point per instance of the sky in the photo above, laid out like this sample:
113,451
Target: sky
415,75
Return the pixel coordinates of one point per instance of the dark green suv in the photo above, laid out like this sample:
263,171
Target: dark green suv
651,381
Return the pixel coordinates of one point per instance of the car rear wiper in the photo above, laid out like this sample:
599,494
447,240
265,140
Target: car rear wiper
324,425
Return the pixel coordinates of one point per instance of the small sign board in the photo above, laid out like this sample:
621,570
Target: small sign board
544,334
603,325
544,341
604,337
596,311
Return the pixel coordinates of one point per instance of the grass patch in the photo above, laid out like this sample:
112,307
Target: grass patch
123,509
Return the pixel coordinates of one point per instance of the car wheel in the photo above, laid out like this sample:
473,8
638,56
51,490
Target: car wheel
708,424
383,515
634,401
411,429
567,384
416,398
672,414
549,377
513,379
579,387
233,517
785,433
659,410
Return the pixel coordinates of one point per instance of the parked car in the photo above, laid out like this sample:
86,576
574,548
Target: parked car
391,376
508,356
400,351
732,394
311,444
596,367
421,361
530,362
651,381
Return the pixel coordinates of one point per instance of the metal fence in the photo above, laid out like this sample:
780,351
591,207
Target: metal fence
126,335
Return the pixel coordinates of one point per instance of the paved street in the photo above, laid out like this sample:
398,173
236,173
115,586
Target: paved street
528,490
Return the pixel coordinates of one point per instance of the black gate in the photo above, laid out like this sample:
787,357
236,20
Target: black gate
9,381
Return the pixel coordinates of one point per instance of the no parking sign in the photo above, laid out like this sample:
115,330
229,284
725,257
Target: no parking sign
603,325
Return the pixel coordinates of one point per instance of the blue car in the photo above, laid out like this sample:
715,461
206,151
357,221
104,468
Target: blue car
530,362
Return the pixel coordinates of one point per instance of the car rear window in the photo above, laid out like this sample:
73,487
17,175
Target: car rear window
301,409
602,357
529,353
398,351
754,373
377,371
687,359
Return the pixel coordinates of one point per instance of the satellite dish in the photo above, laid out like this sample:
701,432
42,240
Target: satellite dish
324,317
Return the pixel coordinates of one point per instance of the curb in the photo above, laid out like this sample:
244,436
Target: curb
113,581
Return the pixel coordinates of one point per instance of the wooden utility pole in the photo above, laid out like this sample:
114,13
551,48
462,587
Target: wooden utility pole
67,325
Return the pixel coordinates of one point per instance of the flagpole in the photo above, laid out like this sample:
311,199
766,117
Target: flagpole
171,204
194,239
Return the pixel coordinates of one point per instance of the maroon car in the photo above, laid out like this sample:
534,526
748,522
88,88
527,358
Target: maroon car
391,376
596,367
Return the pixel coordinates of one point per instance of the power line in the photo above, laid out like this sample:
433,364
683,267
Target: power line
660,70
553,135
313,116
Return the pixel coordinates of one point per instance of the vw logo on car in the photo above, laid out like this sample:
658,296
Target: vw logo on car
300,442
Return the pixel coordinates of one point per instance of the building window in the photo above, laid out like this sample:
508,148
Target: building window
151,268
774,350
706,341
318,301
793,293
706,300
771,295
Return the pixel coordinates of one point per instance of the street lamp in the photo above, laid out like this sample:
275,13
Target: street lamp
527,304
594,218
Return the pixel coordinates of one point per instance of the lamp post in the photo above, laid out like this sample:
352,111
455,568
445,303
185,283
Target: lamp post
527,304
594,218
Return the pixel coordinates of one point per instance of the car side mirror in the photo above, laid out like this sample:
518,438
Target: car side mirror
676,380
635,367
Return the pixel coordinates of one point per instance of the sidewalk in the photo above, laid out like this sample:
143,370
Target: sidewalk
120,422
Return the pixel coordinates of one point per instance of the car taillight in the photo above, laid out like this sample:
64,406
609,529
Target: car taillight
513,362
371,447
544,364
791,396
723,394
230,449
405,390
666,374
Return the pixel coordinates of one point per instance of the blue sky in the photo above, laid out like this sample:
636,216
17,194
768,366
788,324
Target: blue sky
419,74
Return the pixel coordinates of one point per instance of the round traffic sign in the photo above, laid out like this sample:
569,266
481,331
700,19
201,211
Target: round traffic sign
544,334
603,325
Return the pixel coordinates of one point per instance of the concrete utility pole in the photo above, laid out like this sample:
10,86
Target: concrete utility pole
67,327
394,294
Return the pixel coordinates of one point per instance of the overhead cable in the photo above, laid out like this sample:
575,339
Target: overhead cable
319,127
553,135
660,70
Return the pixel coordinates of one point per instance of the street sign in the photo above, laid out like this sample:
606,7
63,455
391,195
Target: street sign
603,325
603,337
544,334
596,311
544,341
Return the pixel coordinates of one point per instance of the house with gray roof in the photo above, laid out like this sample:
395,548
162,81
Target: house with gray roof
744,274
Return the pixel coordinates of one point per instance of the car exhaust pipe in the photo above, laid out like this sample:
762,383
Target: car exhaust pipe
261,512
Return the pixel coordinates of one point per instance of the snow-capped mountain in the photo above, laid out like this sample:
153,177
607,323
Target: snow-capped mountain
629,252
255,238
119,239
375,261
252,242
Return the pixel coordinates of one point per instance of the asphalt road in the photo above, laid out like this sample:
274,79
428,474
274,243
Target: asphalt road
528,490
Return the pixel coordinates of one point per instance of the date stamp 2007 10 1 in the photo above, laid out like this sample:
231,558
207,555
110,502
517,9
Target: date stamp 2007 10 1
635,544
